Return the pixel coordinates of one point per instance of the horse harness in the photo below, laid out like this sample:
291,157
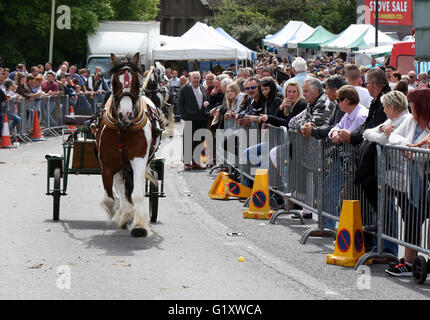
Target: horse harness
145,113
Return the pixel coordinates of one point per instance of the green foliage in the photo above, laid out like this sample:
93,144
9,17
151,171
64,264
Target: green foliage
251,20
135,10
243,22
25,27
334,15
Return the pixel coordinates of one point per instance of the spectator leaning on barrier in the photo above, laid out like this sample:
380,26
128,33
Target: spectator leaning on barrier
355,114
10,110
396,108
50,87
254,102
273,97
292,105
318,109
413,129
332,84
377,84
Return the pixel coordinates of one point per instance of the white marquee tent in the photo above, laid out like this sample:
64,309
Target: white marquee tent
201,42
292,31
357,37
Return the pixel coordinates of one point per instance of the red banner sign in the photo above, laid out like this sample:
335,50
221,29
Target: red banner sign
391,12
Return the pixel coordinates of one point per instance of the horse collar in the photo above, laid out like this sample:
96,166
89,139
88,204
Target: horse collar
137,124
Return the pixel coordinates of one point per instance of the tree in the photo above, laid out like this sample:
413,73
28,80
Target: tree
249,21
243,22
25,34
135,10
334,15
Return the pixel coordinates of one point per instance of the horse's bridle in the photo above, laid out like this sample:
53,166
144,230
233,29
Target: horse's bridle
127,85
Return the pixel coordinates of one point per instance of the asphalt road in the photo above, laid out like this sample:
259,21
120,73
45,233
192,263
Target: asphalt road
189,257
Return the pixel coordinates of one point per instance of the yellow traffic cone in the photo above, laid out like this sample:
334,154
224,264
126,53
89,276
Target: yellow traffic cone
259,207
223,188
236,189
349,239
218,190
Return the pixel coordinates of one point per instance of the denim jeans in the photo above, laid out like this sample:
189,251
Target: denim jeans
52,122
10,116
255,157
333,183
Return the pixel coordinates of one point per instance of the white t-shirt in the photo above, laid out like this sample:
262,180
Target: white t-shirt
365,97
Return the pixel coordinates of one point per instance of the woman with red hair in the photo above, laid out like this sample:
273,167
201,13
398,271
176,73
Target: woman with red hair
412,130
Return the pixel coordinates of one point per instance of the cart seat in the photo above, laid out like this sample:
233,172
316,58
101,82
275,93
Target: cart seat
75,120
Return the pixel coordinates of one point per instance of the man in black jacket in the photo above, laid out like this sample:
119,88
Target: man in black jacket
192,104
377,84
366,176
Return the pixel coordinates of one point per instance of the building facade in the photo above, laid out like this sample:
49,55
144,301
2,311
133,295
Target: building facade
177,16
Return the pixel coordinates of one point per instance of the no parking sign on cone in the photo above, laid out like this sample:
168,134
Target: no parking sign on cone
259,207
349,239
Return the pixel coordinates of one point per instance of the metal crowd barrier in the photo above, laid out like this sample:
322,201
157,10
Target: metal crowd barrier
320,176
50,110
238,145
403,200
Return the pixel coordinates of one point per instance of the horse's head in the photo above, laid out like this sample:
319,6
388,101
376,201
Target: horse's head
157,76
125,74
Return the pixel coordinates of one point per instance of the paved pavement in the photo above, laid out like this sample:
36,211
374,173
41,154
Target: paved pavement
190,256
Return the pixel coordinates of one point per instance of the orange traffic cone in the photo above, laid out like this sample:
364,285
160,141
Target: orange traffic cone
72,113
5,135
37,133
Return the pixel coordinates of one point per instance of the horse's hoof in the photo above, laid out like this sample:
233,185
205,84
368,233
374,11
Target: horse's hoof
138,232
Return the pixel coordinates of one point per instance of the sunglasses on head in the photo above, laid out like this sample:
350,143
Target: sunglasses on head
250,88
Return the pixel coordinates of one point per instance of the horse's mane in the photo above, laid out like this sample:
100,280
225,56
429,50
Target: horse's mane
127,61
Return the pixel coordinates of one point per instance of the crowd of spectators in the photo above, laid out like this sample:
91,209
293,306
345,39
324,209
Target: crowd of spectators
325,98
42,83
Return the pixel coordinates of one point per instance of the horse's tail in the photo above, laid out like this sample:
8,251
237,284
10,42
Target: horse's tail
151,175
127,176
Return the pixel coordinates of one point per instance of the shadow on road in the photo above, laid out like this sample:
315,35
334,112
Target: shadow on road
114,241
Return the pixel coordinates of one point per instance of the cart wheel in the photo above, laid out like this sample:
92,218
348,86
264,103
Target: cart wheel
153,202
57,193
419,269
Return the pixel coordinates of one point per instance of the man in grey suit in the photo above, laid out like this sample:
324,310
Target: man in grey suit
192,103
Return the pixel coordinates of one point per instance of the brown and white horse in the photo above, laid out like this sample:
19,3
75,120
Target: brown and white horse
126,142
